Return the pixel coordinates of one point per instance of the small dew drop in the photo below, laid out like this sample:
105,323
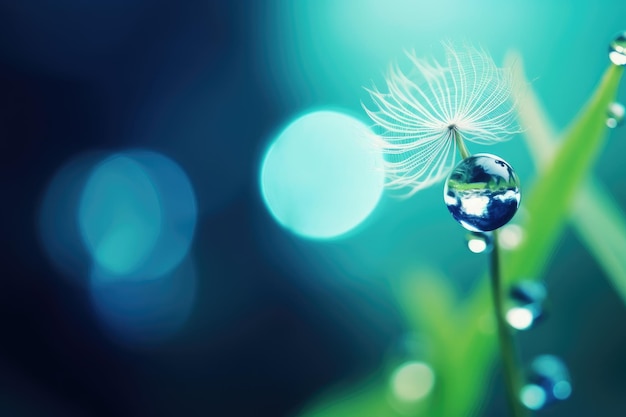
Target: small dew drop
479,242
527,300
548,382
617,49
482,193
520,318
615,115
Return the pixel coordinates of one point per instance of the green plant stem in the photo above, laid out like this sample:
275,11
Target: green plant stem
508,352
460,144
506,342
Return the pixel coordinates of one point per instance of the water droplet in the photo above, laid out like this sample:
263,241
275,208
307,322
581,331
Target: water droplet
528,299
479,242
548,382
615,114
617,49
482,193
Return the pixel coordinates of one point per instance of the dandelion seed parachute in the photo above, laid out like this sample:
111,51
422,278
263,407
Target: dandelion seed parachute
424,110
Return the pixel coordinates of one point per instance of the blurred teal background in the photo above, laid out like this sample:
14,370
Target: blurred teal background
249,317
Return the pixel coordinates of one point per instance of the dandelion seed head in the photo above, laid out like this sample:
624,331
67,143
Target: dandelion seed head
424,109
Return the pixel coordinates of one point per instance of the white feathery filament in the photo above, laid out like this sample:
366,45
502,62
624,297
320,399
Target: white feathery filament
423,110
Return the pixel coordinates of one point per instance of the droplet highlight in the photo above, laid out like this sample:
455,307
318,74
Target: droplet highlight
615,115
480,242
617,49
548,383
527,301
482,193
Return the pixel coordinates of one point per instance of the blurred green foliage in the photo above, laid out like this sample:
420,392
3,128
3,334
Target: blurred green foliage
461,342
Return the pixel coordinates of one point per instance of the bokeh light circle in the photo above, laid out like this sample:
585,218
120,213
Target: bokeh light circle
179,211
119,215
562,390
137,214
124,223
320,178
412,381
533,396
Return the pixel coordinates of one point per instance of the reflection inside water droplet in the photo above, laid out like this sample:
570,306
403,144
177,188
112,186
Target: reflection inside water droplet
617,49
527,299
482,193
615,115
548,382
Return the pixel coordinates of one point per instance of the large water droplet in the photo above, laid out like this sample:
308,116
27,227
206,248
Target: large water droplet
615,114
482,193
480,242
617,49
528,300
548,382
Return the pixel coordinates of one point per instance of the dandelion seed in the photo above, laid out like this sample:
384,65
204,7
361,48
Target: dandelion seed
427,114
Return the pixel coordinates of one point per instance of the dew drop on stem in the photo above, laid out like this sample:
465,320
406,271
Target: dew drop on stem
482,192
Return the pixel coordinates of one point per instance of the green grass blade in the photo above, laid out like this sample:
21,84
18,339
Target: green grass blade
549,200
596,217
600,224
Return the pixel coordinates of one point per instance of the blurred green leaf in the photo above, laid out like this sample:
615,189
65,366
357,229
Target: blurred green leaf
428,301
463,339
596,217
601,225
549,200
